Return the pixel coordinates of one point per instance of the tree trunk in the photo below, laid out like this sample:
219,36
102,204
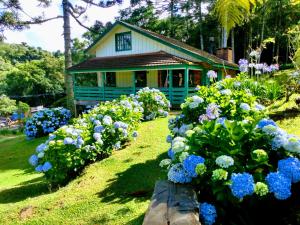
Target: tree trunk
232,44
200,25
224,38
68,57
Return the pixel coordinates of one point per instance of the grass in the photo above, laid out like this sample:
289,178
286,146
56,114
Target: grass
114,191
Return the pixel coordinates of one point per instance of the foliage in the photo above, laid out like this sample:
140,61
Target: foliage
154,102
46,121
232,151
7,106
233,12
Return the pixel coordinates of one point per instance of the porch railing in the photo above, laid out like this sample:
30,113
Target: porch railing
175,95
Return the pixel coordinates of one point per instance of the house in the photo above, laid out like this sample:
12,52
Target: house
128,58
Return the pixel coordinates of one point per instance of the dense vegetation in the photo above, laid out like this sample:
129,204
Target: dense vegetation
29,74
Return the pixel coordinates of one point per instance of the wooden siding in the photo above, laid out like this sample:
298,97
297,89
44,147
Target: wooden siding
140,44
124,79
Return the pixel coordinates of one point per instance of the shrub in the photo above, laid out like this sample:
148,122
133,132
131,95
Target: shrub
231,151
7,106
154,102
46,121
215,102
91,137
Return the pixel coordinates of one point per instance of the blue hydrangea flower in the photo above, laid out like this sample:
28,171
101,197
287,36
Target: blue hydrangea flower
242,184
221,121
208,213
68,141
292,144
259,107
171,154
190,163
41,148
169,139
278,142
33,160
280,185
270,130
264,122
178,174
245,106
98,129
39,168
290,167
47,166
213,111
225,161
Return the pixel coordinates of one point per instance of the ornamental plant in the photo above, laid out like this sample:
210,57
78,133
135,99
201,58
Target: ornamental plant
224,144
46,121
154,102
91,137
215,102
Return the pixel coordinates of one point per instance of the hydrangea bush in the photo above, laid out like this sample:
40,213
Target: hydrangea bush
91,137
46,121
154,102
225,145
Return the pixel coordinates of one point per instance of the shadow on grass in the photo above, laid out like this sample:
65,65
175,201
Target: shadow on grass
137,182
28,189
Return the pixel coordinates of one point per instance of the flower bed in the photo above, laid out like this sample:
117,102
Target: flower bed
154,102
46,121
224,144
90,137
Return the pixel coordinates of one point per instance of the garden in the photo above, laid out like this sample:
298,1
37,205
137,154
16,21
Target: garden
234,138
235,141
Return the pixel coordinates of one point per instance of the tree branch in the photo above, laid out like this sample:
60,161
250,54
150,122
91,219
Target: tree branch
81,24
38,20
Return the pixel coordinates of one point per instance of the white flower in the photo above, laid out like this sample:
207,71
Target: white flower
183,156
224,161
165,163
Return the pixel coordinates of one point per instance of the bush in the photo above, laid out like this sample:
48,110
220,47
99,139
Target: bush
215,102
155,103
231,153
46,121
91,137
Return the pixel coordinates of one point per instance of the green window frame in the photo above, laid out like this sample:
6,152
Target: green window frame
123,41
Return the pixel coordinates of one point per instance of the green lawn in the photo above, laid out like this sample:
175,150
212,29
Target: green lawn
114,191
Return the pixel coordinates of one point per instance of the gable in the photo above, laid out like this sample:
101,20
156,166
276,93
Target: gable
141,44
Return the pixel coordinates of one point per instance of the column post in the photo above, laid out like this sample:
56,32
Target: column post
186,82
170,86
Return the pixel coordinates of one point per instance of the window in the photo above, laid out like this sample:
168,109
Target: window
110,79
178,78
163,78
194,78
123,41
141,78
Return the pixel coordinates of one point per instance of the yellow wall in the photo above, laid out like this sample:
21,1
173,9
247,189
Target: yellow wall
124,79
152,78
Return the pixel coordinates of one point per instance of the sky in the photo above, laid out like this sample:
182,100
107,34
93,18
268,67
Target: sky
48,35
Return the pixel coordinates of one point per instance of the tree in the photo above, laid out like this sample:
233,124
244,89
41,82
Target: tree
232,13
10,18
7,106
